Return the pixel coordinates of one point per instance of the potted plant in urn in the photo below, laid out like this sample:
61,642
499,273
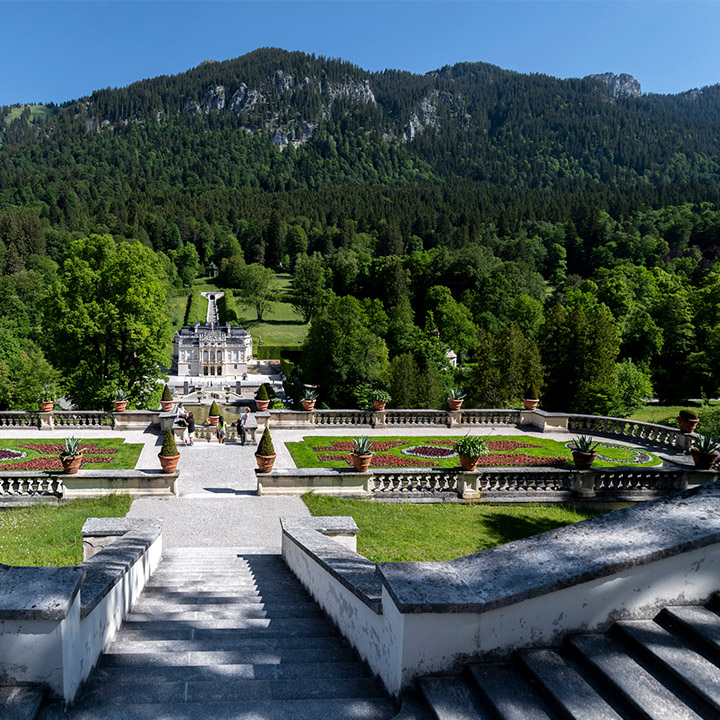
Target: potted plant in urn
262,399
308,399
214,415
380,399
469,450
71,456
169,455
688,420
265,454
455,399
532,398
583,451
361,454
47,399
166,401
120,401
705,452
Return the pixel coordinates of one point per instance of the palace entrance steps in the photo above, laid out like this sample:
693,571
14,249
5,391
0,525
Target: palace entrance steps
662,669
227,633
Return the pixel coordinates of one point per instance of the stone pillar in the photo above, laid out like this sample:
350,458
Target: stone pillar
453,418
378,418
186,388
467,486
684,441
583,483
238,387
46,421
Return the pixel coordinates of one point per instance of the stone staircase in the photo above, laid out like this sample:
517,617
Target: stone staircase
225,634
662,669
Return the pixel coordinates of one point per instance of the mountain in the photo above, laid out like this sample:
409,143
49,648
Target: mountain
275,121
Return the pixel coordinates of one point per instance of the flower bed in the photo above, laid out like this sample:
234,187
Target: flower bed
382,461
57,448
51,463
11,454
349,446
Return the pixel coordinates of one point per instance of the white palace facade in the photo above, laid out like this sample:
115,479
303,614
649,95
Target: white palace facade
211,350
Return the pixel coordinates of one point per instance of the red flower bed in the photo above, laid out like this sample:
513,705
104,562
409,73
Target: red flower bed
8,454
383,461
493,445
57,448
348,446
519,460
51,463
428,451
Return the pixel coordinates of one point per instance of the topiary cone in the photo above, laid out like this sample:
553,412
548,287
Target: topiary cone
169,455
265,454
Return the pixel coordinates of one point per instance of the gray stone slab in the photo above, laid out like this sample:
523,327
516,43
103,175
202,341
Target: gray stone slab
104,527
508,692
565,687
333,525
452,699
345,709
20,703
39,593
560,558
701,623
299,610
631,681
689,667
254,644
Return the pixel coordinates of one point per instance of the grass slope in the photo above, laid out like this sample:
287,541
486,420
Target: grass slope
50,534
391,532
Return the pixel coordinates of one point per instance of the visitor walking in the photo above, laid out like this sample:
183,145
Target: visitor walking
242,425
221,430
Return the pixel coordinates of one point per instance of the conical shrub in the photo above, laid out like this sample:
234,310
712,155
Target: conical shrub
214,409
167,395
169,448
266,447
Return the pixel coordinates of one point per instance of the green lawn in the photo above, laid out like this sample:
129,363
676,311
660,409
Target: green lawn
663,414
392,532
308,453
50,534
43,454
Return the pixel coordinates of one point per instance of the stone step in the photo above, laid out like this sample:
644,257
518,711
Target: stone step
235,628
214,583
258,654
121,694
223,595
699,623
671,654
647,697
160,600
340,709
201,612
194,673
509,694
258,645
564,687
20,703
452,699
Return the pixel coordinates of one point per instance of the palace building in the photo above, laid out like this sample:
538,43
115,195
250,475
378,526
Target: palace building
211,350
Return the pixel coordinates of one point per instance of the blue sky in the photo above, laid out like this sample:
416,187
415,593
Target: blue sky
57,50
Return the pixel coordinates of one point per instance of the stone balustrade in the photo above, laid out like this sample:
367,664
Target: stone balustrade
80,419
26,488
512,485
408,619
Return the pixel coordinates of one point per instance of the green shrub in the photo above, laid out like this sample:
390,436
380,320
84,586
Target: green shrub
214,409
287,368
167,395
381,396
271,352
262,393
710,421
532,393
472,446
265,446
169,448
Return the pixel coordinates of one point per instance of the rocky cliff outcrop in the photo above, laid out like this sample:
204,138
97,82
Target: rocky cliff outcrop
620,85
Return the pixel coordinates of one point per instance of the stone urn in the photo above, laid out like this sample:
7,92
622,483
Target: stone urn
71,463
454,404
265,462
47,406
703,460
166,405
468,462
583,460
169,463
262,405
213,420
379,405
687,425
308,405
530,403
119,405
361,463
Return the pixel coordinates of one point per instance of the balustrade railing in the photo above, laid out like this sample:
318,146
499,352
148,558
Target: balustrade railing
19,419
418,481
628,481
82,418
30,485
515,481
489,417
619,427
343,417
416,417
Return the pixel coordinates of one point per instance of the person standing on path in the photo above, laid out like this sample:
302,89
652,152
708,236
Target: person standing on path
221,430
189,420
242,425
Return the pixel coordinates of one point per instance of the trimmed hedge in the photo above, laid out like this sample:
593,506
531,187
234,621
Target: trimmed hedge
271,352
196,310
227,308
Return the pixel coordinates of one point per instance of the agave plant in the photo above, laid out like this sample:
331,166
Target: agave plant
584,444
120,395
706,444
310,395
456,394
362,446
72,447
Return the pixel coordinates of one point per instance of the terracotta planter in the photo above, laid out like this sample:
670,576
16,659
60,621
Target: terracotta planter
120,405
47,406
166,405
530,404
169,463
454,405
308,405
379,405
262,405
265,462
583,460
703,460
213,420
468,463
71,463
687,426
361,463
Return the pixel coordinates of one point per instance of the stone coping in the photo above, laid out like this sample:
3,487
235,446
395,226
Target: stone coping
353,571
39,593
105,569
560,558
